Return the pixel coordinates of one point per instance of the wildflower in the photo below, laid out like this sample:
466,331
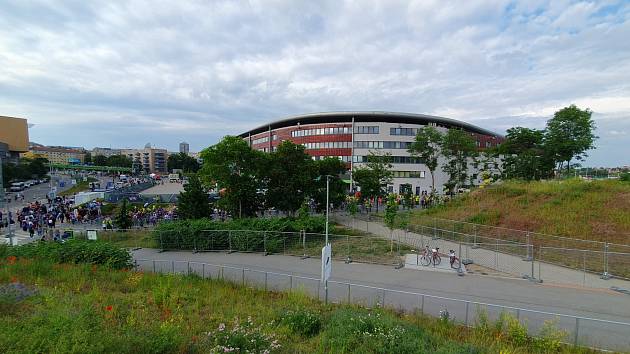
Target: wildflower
11,259
13,280
221,327
194,339
109,308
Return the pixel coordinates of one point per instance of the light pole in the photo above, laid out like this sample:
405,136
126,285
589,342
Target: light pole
327,207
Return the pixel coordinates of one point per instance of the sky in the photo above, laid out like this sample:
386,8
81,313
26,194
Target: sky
127,73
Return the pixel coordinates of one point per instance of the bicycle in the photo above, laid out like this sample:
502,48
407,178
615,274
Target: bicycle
430,256
455,262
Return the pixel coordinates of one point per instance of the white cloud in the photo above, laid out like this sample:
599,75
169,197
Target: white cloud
205,69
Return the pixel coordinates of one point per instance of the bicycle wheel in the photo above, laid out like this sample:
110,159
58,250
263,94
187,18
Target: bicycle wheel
425,260
437,260
455,264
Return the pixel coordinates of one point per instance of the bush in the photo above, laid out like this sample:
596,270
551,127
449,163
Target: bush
303,322
206,234
75,251
625,177
243,337
363,331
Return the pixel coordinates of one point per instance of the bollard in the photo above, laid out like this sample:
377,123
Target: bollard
266,274
153,266
222,277
348,293
188,265
243,277
173,266
203,270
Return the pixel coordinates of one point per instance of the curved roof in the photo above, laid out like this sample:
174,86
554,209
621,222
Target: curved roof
367,116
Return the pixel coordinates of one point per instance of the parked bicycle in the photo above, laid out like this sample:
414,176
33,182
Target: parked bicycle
430,256
455,262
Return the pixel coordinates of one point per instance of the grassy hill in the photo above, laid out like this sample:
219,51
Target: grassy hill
590,210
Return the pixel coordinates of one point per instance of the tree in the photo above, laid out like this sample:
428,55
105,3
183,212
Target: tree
391,212
193,201
374,177
87,159
100,160
329,166
569,135
427,148
237,170
182,162
118,161
457,147
123,219
290,177
525,154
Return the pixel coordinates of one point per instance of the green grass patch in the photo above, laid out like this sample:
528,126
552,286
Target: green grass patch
80,308
79,187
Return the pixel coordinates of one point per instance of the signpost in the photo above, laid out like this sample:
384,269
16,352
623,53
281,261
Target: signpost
327,249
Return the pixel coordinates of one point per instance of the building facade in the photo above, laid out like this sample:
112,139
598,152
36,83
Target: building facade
57,154
352,136
13,138
107,152
148,160
184,148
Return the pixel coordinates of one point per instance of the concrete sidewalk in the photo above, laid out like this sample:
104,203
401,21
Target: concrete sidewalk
506,263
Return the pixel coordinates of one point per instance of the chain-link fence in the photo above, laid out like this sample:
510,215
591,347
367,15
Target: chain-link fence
591,332
603,258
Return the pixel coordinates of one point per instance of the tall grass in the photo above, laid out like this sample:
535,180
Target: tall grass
590,210
91,309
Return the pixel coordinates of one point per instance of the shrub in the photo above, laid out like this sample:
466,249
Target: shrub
625,177
550,338
243,337
205,234
75,251
303,322
362,331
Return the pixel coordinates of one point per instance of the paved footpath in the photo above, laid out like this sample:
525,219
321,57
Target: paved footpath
575,301
502,262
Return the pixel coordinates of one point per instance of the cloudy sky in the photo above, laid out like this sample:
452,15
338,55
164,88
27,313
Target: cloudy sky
124,73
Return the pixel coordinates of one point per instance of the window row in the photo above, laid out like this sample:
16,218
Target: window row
366,130
264,139
382,144
342,158
329,145
403,131
392,159
408,174
321,131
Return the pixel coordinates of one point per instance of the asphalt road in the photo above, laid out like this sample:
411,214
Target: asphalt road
407,284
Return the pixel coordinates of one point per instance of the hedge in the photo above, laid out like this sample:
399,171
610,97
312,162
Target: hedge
244,235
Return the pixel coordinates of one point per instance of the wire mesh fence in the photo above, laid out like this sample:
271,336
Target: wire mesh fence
584,331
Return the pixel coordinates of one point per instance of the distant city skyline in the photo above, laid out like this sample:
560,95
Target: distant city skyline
100,74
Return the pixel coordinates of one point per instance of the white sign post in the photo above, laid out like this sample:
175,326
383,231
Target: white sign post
326,268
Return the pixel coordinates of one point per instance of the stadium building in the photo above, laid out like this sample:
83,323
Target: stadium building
351,136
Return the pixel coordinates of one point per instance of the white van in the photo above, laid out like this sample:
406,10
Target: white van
17,187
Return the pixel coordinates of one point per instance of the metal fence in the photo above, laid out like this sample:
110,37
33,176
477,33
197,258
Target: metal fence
583,331
603,258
